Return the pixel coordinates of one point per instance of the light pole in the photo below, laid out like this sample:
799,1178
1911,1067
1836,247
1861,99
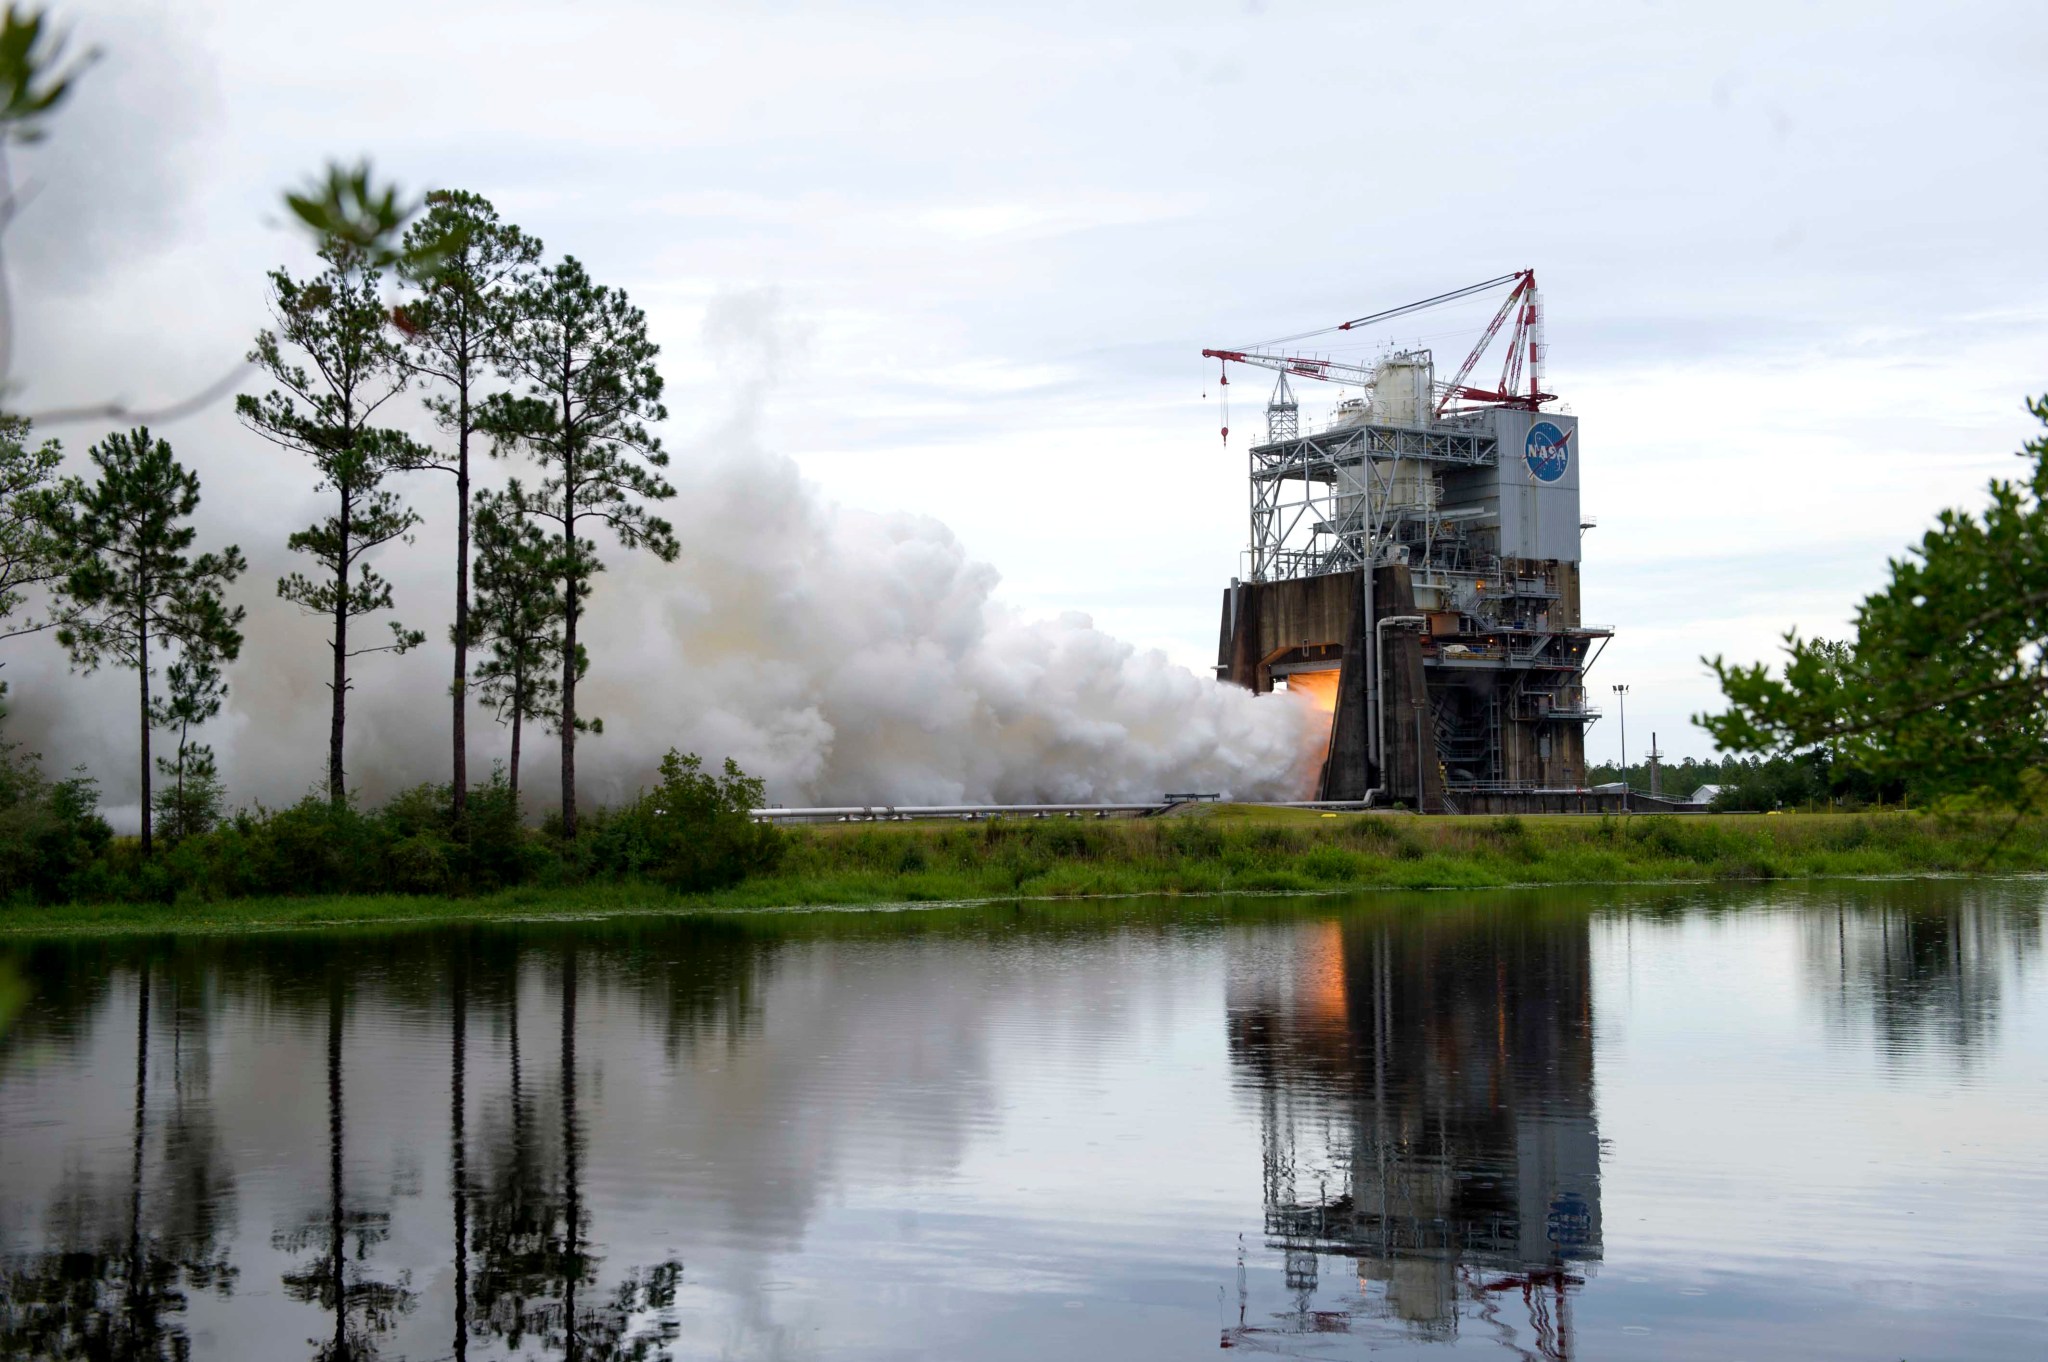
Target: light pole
1621,700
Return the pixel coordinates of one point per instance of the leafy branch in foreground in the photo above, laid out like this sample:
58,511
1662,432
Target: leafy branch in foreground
34,78
1944,686
350,207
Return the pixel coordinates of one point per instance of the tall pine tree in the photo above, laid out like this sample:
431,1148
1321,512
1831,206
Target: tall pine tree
328,413
518,615
587,390
131,585
455,328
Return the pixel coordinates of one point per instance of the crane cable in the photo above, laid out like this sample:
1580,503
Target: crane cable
1389,314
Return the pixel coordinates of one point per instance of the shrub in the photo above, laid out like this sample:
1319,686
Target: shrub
50,831
697,828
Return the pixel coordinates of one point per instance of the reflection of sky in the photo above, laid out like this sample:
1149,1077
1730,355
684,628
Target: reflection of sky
1025,1145
1763,1165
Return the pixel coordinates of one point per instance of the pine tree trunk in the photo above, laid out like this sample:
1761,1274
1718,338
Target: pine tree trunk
518,708
142,653
460,691
337,789
569,607
569,706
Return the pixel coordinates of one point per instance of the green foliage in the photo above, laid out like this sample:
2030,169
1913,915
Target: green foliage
518,611
131,585
337,321
193,797
34,78
456,325
50,831
1944,687
458,318
1804,780
587,391
691,832
196,797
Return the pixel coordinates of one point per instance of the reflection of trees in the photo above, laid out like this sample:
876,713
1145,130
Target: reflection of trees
534,1274
363,1307
458,1151
128,1247
1425,1087
117,1286
1921,964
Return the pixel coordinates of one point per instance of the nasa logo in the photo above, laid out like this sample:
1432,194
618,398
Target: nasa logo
1548,451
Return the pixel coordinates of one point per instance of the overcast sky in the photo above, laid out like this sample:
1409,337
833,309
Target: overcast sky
1791,255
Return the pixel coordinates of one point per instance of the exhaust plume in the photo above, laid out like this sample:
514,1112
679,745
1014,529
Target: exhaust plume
844,656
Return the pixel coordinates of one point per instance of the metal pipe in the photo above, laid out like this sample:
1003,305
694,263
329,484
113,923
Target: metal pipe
875,811
891,811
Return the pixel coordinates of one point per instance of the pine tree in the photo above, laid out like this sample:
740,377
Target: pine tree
327,413
455,330
585,365
191,803
130,583
518,614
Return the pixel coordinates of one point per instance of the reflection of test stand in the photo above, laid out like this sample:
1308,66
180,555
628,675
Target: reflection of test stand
1547,1297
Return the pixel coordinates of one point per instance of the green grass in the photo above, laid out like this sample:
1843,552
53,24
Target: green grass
1218,849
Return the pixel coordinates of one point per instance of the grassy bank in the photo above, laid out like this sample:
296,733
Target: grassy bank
1221,849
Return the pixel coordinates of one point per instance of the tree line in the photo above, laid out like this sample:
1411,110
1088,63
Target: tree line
1939,692
514,356
1807,780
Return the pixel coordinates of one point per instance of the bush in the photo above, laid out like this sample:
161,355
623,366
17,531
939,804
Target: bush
698,830
51,832
693,832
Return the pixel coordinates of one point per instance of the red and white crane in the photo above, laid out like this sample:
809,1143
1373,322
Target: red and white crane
1522,365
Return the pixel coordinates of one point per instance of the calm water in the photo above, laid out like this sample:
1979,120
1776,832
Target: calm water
1787,1123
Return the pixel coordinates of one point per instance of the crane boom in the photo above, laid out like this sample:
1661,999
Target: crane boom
1525,350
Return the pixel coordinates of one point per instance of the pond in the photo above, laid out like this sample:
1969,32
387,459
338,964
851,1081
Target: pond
1781,1122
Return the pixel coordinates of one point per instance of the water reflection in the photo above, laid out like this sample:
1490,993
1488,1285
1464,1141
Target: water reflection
1917,965
114,1283
1001,1134
339,1281
1425,1091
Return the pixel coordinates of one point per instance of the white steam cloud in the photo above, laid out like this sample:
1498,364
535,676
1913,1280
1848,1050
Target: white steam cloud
851,657
845,656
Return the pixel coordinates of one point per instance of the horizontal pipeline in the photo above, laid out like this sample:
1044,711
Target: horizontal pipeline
887,812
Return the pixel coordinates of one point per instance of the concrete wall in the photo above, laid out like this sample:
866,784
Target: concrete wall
1265,622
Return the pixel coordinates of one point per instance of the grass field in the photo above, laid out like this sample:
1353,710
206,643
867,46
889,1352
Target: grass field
1206,850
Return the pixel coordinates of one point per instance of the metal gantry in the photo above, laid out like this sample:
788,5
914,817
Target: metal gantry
1319,500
